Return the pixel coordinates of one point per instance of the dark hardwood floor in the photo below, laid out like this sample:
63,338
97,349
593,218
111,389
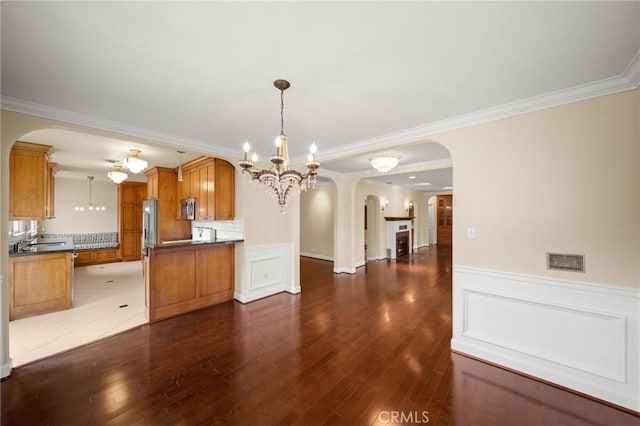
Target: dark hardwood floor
364,349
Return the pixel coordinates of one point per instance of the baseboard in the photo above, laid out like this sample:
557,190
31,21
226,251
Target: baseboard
344,270
294,290
317,256
6,369
581,336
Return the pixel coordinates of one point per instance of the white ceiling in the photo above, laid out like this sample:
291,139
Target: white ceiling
365,76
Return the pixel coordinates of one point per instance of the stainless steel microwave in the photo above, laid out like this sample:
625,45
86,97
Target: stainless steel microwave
188,208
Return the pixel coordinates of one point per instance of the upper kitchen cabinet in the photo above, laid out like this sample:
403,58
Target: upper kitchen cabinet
162,186
225,190
30,182
211,181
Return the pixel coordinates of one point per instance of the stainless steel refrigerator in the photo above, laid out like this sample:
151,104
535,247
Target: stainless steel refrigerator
149,225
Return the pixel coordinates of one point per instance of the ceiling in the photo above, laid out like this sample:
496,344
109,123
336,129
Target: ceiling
365,77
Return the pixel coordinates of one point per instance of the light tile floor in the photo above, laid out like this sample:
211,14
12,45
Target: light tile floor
99,293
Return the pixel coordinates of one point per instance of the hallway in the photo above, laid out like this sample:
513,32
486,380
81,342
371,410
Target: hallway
350,349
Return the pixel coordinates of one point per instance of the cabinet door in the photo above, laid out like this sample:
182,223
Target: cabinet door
215,270
27,182
152,186
225,189
50,191
38,284
203,194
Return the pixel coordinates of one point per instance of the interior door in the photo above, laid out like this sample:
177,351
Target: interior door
444,222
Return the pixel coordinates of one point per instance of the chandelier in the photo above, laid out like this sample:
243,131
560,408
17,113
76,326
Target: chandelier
384,162
117,176
281,181
135,163
91,207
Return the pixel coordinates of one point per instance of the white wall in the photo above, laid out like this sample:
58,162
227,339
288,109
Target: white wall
72,192
317,220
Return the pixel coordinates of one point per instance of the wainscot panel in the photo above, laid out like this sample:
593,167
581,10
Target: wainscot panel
581,336
269,270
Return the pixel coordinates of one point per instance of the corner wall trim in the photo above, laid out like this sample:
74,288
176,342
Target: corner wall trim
578,335
6,369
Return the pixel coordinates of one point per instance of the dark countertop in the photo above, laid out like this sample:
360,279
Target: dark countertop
46,246
191,243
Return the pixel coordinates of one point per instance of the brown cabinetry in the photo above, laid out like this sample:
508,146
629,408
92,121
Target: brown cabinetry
39,284
30,189
162,185
225,190
130,198
182,279
211,181
97,256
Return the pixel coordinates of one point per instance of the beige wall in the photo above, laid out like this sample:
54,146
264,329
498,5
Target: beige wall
316,220
73,192
535,183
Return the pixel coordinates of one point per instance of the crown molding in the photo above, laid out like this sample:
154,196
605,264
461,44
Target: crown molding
632,72
86,120
630,80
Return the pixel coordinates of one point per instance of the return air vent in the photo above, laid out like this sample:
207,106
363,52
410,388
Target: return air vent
565,262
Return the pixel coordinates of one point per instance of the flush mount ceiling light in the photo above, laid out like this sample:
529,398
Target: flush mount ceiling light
135,163
91,207
384,162
117,176
279,180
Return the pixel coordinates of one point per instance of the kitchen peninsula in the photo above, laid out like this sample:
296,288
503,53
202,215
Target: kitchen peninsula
40,277
188,275
182,274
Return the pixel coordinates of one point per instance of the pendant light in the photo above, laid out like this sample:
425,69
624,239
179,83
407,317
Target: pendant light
90,207
180,178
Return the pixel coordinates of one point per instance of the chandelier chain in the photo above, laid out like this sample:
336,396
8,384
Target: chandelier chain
281,111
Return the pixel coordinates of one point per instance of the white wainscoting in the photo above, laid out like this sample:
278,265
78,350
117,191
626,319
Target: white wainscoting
581,336
5,368
269,270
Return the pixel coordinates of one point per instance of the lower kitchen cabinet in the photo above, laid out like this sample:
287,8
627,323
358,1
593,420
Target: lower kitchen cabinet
39,284
183,279
97,256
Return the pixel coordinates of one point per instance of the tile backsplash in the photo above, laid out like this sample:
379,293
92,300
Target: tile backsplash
224,228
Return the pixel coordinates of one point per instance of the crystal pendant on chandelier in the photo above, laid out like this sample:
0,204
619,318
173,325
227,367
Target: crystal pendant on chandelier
281,181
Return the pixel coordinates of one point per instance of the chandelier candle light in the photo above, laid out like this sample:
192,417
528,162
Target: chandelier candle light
279,180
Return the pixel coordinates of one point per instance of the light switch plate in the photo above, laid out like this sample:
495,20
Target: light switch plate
471,233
